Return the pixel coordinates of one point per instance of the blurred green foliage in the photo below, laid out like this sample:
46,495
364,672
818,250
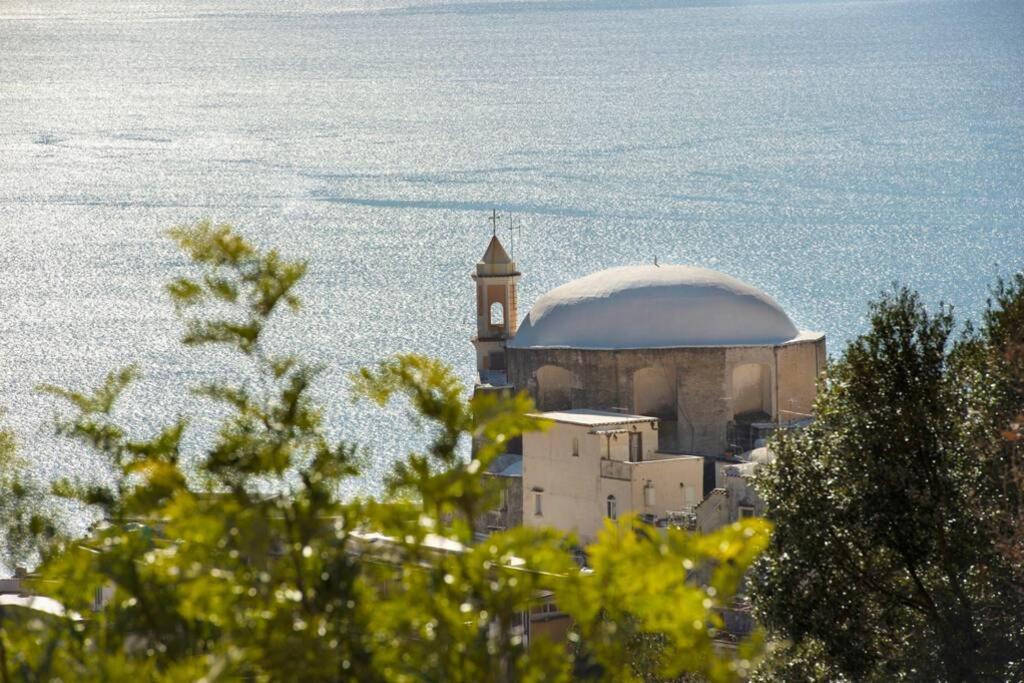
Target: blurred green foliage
249,565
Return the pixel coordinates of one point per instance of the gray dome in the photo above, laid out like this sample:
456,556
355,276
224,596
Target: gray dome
649,307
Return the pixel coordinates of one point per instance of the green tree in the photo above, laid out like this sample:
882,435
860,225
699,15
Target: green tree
885,563
247,563
1001,357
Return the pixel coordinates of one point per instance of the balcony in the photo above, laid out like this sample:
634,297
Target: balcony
616,469
627,471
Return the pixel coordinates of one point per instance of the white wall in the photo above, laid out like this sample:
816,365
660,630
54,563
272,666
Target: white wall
570,483
574,496
670,478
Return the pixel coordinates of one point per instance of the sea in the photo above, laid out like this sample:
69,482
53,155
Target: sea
820,150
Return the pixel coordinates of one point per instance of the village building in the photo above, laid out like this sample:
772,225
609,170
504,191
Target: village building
656,377
734,497
591,464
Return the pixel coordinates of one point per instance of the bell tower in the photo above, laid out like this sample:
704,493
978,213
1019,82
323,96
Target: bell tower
496,317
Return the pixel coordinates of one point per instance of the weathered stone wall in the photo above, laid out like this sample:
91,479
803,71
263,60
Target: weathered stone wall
700,380
703,400
603,380
799,365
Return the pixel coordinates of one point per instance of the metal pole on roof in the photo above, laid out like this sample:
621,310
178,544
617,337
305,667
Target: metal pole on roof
514,229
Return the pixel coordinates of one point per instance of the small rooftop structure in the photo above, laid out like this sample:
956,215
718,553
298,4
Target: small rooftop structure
759,456
507,465
493,378
593,418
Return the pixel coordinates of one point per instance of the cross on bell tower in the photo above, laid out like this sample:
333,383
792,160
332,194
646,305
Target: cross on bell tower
494,222
497,281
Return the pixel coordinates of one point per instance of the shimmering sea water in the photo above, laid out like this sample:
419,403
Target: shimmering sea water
819,150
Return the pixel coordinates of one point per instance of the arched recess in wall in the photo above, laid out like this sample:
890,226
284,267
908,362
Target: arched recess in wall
554,388
654,393
750,389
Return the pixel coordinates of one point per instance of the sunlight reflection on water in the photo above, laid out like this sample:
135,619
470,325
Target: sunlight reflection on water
818,150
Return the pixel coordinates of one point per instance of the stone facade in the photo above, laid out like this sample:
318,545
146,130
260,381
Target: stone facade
695,392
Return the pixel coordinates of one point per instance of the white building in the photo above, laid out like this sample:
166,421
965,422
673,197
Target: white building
595,464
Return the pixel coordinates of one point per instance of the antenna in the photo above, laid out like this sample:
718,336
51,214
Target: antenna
514,228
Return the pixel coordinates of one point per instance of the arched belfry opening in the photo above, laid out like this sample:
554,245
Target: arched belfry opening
554,388
497,315
654,394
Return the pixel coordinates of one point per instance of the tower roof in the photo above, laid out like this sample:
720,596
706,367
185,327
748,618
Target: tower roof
496,262
496,254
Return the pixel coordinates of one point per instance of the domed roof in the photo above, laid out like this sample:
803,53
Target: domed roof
649,307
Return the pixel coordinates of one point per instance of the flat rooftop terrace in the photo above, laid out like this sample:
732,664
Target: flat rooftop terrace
593,418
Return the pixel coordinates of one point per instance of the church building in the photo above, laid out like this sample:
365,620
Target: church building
709,363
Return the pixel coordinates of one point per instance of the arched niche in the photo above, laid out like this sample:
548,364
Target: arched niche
750,390
653,393
554,388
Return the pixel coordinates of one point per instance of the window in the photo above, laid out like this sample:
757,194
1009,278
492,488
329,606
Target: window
497,314
575,446
649,499
611,509
548,609
538,505
746,511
